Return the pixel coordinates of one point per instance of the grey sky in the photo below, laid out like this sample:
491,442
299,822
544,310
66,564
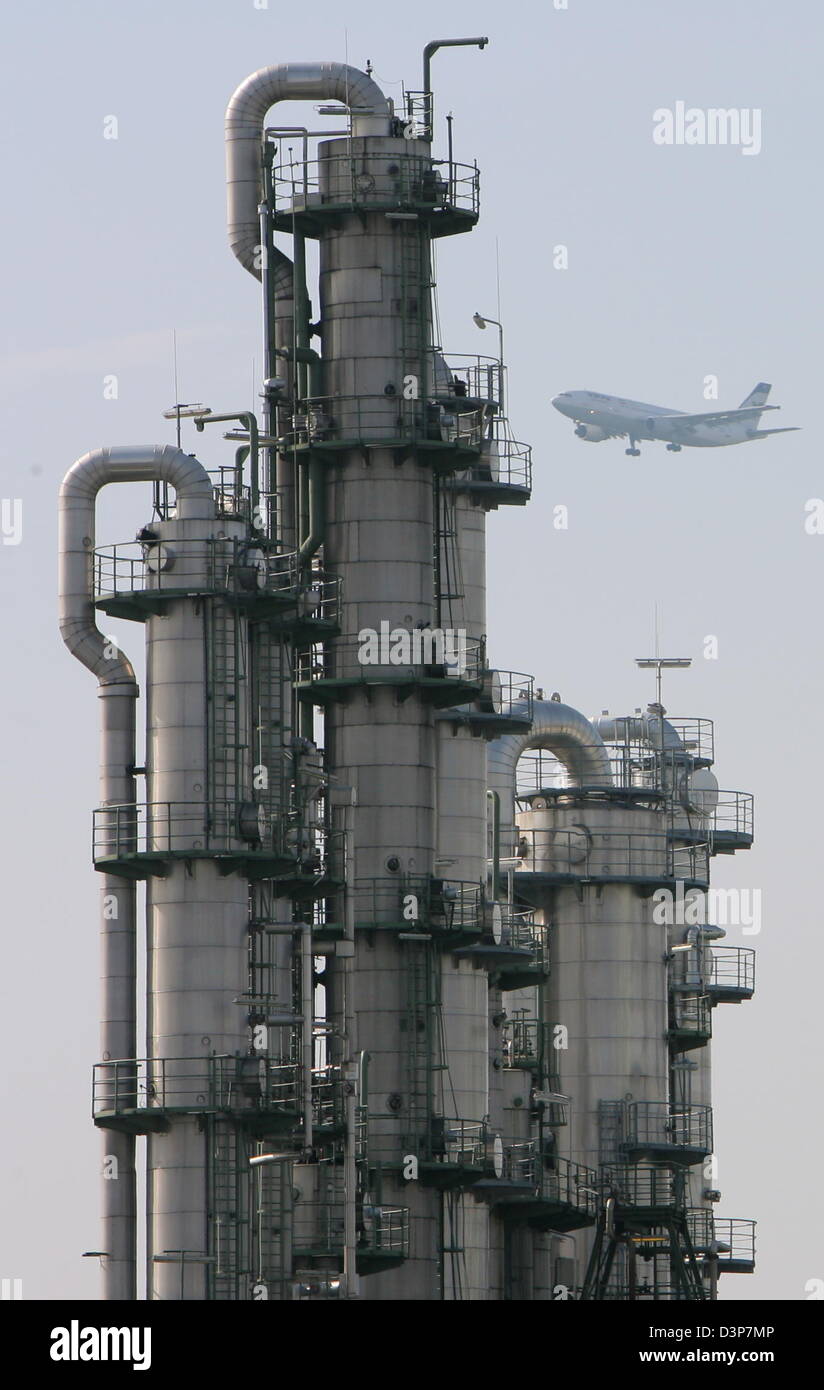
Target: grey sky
683,262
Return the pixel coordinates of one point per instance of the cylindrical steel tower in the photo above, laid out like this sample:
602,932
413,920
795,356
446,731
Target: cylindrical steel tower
413,1031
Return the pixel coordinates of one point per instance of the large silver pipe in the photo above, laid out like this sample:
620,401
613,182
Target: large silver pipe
245,116
118,692
565,732
650,728
78,495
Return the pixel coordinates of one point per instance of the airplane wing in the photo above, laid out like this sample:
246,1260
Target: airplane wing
720,417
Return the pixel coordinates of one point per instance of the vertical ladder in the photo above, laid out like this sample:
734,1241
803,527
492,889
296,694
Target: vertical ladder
226,694
610,1131
228,1224
270,717
414,317
423,1053
273,1218
446,552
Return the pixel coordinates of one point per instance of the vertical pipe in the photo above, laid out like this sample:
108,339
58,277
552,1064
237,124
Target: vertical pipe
351,1070
307,1002
118,1028
496,842
267,284
301,321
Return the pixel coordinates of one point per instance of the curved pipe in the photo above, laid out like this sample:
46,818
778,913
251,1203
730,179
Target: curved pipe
118,692
245,115
565,732
78,494
650,728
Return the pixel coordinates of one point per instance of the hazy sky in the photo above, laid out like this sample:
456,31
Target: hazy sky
684,263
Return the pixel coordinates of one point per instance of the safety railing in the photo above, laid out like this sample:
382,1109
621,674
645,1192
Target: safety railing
224,1083
381,1232
503,463
730,969
411,901
523,1041
233,497
177,827
701,1227
520,932
458,1143
697,736
391,901
328,1102
629,765
418,112
730,1239
582,852
690,863
389,420
467,376
642,1185
454,905
656,1125
395,655
558,1181
507,694
633,762
374,182
691,1015
733,814
735,1237
385,1231
232,567
216,1083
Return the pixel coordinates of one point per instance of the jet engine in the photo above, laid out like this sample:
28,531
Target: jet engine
593,433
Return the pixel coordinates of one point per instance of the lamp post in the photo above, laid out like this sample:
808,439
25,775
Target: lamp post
481,321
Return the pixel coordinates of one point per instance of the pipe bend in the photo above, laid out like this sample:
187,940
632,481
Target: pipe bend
76,515
565,732
650,728
245,116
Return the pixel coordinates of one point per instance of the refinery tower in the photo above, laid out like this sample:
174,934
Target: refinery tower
429,970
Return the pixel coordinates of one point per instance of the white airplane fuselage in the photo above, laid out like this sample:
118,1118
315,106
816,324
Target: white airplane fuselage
601,417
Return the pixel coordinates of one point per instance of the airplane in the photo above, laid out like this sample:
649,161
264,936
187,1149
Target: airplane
601,417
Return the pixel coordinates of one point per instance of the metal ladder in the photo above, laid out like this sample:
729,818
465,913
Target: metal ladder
415,288
446,555
271,673
226,692
273,1220
228,1222
422,1051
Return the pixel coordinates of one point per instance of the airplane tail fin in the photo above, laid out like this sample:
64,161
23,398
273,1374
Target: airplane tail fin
757,396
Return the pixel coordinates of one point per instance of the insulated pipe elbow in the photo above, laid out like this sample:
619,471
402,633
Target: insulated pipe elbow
651,729
245,115
78,496
565,732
